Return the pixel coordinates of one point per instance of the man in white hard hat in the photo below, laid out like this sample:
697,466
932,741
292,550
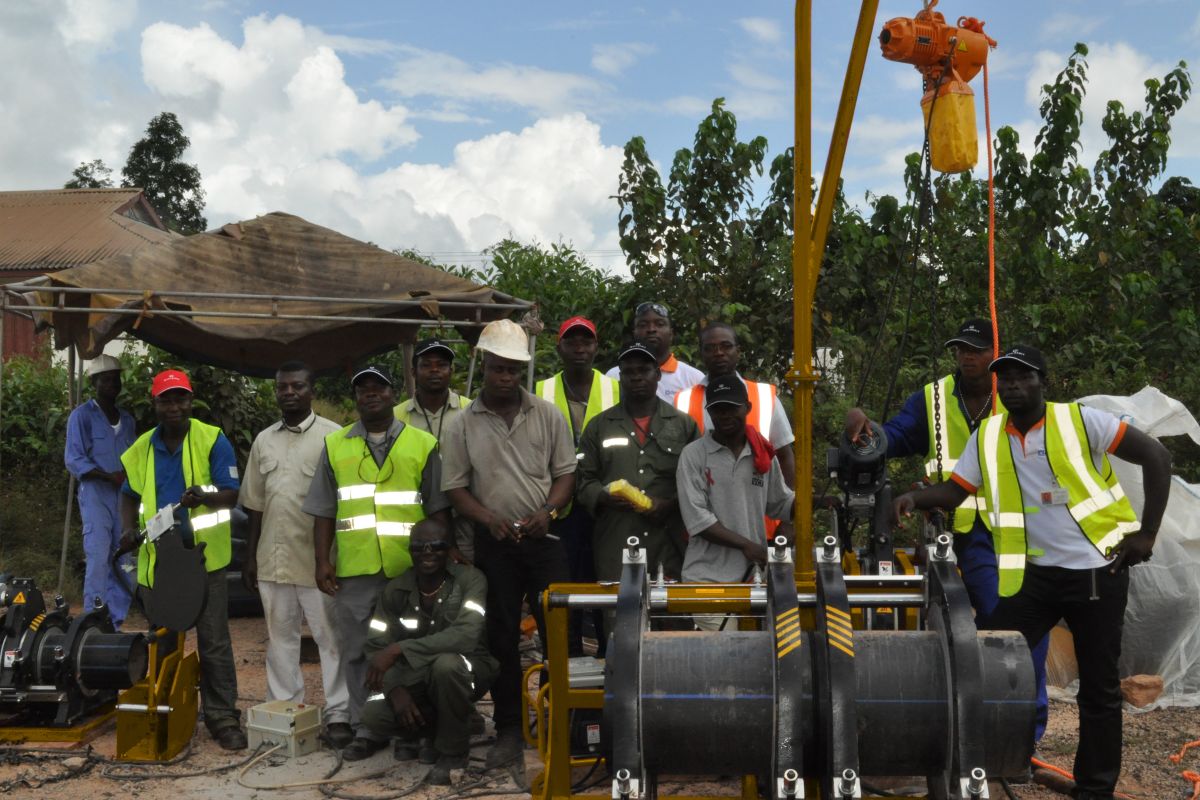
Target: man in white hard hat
97,433
516,476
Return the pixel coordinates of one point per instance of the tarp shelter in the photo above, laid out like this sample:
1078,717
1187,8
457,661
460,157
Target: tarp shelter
254,294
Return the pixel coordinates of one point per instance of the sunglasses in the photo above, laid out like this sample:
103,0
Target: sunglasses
657,308
428,547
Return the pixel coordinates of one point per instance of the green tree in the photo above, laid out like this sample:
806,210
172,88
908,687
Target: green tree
90,175
702,245
171,186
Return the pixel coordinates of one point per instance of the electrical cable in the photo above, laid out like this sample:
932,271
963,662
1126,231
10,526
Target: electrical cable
1007,789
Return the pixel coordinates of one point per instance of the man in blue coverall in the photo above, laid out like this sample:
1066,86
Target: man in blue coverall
98,432
964,400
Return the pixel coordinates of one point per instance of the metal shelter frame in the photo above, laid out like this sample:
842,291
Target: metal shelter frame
12,301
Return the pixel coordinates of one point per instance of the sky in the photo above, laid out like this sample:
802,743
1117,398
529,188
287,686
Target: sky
446,127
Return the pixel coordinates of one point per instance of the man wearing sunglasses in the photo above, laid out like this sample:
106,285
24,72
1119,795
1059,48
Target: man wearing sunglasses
652,327
427,656
374,480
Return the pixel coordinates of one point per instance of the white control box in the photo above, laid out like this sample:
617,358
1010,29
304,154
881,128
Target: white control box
296,726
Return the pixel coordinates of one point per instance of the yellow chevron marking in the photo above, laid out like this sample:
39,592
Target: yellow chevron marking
784,641
789,648
841,637
791,612
837,612
37,622
843,648
787,627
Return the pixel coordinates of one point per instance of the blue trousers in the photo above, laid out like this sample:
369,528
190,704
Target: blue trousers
977,562
101,537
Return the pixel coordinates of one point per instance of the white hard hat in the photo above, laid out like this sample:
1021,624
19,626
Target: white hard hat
103,363
506,339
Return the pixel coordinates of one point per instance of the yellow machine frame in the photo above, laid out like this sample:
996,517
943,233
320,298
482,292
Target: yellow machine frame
157,716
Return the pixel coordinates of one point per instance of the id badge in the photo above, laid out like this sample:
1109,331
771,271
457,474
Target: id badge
1055,497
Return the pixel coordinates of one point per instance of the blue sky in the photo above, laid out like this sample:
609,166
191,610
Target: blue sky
446,126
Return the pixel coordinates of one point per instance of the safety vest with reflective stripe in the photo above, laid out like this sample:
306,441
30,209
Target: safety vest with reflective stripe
377,506
762,405
1095,499
209,526
956,430
605,394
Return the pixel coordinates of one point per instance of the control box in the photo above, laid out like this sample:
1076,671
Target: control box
296,726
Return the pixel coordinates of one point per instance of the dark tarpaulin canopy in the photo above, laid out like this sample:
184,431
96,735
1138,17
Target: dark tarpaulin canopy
298,275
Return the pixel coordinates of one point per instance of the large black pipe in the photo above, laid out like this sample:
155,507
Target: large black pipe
707,703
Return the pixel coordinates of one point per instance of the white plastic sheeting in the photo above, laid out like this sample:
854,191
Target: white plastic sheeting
1162,621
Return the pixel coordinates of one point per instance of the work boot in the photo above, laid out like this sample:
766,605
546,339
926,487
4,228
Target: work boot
439,773
362,748
508,748
230,737
405,750
339,734
427,754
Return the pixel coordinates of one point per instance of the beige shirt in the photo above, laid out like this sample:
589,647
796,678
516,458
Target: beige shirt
433,422
278,474
508,470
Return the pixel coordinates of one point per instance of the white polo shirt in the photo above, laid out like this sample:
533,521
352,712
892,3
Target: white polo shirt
1053,538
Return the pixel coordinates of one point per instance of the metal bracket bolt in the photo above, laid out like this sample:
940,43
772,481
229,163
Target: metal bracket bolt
976,785
941,549
625,787
848,786
634,554
790,785
829,549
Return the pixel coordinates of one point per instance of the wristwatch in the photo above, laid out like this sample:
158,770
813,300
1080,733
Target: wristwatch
551,509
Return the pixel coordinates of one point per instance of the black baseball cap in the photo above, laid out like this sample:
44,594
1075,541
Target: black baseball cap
637,349
975,333
372,369
430,345
726,389
1023,354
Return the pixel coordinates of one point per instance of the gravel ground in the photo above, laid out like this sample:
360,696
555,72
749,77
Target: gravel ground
1147,775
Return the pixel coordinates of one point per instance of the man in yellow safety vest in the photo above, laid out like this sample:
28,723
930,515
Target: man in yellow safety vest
374,481
579,392
1064,533
185,461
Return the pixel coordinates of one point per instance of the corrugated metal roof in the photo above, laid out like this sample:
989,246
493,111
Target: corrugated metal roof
61,228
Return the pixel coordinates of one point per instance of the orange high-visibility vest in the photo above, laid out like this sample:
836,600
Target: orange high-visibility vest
762,406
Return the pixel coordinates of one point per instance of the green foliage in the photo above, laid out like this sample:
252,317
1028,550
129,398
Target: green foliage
90,175
171,186
702,246
35,410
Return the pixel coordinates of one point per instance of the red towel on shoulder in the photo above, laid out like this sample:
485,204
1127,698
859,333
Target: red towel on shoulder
761,449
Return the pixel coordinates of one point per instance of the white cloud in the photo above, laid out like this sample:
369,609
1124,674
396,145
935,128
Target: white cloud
428,73
94,22
613,59
764,30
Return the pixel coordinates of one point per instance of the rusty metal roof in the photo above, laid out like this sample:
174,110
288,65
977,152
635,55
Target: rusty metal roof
61,228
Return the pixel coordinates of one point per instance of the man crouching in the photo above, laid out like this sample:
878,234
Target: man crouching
426,656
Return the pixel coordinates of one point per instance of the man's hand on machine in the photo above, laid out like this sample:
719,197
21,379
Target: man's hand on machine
858,424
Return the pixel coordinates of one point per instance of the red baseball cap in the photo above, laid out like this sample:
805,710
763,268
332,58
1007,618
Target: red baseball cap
576,322
169,379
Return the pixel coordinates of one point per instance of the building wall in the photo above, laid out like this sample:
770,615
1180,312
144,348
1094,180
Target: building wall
19,338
